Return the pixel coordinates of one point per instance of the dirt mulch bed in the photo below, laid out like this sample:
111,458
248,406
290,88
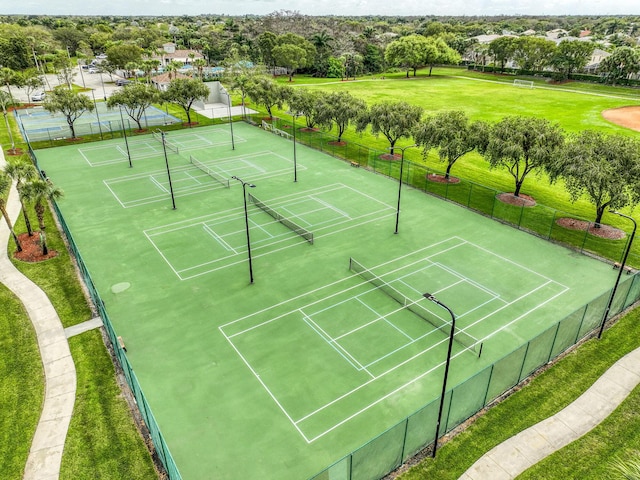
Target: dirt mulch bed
32,250
14,151
341,143
434,177
604,231
309,130
519,201
190,124
396,157
625,116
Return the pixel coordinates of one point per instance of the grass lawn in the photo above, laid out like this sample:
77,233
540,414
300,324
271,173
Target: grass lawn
103,442
94,448
575,106
21,385
547,394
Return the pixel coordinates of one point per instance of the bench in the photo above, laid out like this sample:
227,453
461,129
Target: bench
121,343
355,164
628,270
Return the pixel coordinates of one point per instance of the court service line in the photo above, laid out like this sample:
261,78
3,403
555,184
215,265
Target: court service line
357,366
219,239
332,284
255,374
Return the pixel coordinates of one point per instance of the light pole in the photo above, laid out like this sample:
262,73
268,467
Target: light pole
433,299
295,159
233,145
400,181
166,161
124,133
624,260
246,221
104,92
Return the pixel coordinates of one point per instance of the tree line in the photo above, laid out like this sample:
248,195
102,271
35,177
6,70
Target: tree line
322,46
603,168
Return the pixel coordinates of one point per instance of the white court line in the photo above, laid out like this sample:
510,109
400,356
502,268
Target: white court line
330,207
158,184
253,166
415,379
218,238
335,345
255,374
384,317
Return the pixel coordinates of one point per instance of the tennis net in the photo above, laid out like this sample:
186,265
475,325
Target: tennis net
303,232
461,337
157,134
213,174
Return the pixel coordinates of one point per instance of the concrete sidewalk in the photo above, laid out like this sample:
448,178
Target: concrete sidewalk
515,455
45,455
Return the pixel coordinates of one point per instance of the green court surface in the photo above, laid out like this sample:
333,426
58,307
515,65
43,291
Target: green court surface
334,342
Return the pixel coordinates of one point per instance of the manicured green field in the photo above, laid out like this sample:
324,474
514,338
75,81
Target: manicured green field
311,361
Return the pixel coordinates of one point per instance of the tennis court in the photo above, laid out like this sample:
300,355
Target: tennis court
39,124
334,342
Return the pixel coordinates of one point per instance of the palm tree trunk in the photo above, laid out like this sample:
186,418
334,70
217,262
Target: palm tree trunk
27,222
13,234
39,208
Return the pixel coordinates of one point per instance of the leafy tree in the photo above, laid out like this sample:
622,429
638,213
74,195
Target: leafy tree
135,98
502,50
5,101
605,168
39,192
322,41
335,68
373,59
572,55
289,56
71,104
266,42
70,37
395,120
5,186
64,67
15,52
32,81
21,172
339,108
298,41
533,53
264,91
185,91
120,55
452,134
305,103
623,62
521,145
10,77
410,52
441,53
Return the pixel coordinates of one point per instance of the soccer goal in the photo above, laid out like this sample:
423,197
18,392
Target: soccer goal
523,83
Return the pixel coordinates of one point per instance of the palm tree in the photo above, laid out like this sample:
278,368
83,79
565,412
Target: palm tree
5,185
20,172
39,192
200,63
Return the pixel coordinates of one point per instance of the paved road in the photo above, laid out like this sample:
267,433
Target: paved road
102,85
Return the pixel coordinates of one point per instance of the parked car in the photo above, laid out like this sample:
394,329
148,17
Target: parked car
93,70
122,82
38,96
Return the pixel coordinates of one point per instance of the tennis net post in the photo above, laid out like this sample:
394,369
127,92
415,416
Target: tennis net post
463,338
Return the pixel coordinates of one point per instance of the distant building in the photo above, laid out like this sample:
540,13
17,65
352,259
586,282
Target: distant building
162,81
170,53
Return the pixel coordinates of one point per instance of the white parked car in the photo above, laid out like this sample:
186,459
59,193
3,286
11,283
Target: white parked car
38,96
93,70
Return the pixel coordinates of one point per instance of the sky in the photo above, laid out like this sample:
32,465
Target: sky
322,7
